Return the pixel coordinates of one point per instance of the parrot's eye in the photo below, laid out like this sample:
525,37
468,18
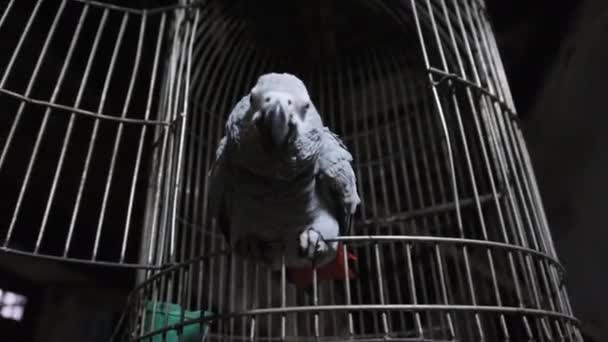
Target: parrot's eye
306,106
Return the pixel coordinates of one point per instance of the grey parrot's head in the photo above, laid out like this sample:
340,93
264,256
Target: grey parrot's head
280,104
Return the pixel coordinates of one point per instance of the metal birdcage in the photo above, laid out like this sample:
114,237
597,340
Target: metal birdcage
107,163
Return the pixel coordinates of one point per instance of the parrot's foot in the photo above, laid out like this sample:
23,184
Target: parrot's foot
314,247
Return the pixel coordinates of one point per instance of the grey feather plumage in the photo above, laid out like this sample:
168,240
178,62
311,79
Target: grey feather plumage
264,200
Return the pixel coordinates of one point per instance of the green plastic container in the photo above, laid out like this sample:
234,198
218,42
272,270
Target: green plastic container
166,314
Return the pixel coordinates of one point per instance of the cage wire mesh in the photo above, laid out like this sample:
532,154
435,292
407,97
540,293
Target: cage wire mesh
106,163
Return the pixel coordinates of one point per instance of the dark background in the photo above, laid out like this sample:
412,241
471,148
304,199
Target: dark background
555,55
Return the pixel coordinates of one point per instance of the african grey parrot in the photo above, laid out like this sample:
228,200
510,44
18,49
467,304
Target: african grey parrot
281,180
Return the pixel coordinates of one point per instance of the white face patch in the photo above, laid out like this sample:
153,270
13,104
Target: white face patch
282,117
286,83
287,91
282,82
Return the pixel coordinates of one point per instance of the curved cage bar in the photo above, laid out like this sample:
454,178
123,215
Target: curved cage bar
78,141
248,302
107,145
451,237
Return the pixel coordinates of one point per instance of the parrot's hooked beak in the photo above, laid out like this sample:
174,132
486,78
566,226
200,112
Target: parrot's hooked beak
275,119
277,124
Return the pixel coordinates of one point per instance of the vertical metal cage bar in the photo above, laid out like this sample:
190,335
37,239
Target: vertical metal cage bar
350,74
117,139
16,52
92,142
191,227
451,236
71,123
68,58
227,51
199,173
493,186
365,112
7,10
22,105
210,56
341,108
469,164
142,135
180,118
465,251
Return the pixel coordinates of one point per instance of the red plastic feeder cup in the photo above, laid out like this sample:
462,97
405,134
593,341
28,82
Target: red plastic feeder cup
303,276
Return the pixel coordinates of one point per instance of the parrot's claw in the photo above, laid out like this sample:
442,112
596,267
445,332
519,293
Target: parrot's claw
313,246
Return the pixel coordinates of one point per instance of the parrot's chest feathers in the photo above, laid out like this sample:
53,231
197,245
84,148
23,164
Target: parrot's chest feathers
284,165
269,205
274,193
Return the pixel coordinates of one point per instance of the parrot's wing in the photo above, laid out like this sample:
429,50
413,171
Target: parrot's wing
337,179
218,192
220,172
